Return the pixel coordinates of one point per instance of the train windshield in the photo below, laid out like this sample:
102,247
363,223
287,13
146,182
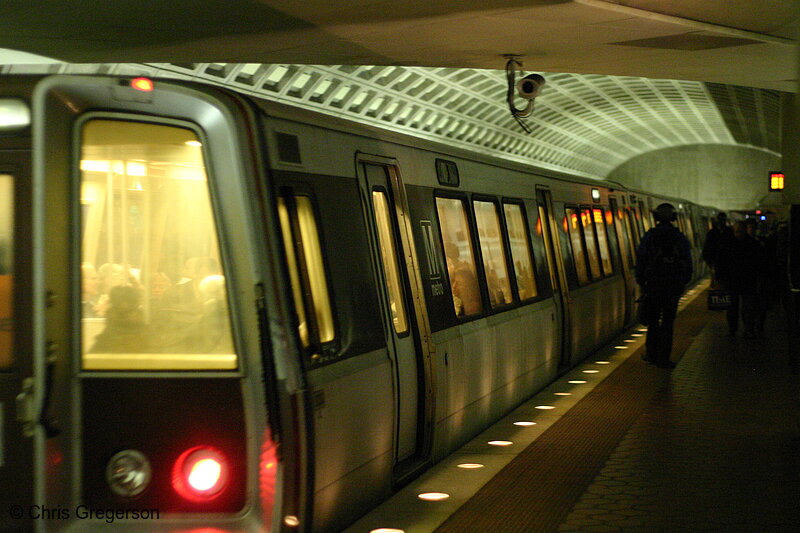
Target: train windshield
6,268
153,291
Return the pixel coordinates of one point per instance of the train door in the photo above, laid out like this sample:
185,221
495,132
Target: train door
623,242
16,444
152,359
558,276
405,319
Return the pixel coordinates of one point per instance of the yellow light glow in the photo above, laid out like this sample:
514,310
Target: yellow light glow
642,329
500,442
433,496
576,381
545,407
590,371
524,423
193,143
387,530
629,340
621,347
637,335
470,466
602,362
563,394
291,521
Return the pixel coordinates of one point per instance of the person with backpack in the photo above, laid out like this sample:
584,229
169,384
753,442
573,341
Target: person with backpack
663,268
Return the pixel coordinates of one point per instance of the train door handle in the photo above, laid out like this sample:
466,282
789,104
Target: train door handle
25,409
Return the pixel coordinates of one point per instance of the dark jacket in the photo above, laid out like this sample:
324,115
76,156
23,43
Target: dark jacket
664,243
742,264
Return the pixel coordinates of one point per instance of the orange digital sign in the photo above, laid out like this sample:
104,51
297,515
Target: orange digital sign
776,181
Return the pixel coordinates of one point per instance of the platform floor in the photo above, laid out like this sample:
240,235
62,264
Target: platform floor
713,445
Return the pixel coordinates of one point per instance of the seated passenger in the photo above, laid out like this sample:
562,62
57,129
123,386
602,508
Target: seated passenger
159,284
111,275
463,282
90,290
125,329
178,319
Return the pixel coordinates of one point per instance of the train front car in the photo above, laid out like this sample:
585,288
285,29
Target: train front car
139,355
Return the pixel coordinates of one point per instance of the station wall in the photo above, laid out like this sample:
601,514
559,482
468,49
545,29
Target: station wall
727,177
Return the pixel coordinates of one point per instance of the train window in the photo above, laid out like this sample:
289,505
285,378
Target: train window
294,273
632,230
602,240
153,292
521,254
306,271
460,256
383,219
578,252
495,265
6,269
591,243
690,230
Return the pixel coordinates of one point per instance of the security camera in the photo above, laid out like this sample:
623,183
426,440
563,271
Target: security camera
530,86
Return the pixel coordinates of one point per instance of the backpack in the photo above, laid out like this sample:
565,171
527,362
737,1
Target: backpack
664,260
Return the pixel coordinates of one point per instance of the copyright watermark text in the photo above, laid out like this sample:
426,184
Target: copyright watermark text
80,512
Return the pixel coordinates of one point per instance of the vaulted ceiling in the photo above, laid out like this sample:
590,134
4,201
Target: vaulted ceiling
624,77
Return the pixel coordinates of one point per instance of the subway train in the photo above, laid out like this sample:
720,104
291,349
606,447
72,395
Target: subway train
219,313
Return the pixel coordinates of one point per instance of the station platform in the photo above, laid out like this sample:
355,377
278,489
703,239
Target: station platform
621,445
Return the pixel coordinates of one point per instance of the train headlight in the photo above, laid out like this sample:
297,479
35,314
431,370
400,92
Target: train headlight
128,473
200,473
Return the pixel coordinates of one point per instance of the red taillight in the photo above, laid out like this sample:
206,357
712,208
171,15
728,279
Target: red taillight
200,473
142,84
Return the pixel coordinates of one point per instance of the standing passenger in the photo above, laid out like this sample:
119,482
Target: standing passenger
663,268
716,239
741,267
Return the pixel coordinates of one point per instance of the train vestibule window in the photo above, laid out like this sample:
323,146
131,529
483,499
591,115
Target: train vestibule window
6,269
153,290
383,220
461,270
495,265
521,255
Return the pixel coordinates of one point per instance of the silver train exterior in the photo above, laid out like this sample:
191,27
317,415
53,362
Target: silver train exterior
235,314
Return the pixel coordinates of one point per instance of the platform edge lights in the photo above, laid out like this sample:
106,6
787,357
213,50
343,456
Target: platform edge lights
777,181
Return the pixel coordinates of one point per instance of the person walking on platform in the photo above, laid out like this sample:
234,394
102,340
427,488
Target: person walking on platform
663,268
740,270
716,239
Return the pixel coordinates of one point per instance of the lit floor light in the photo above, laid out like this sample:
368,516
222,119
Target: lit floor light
563,393
500,442
637,335
470,466
524,423
590,371
545,407
576,381
291,521
629,340
433,496
620,347
642,329
602,362
388,530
